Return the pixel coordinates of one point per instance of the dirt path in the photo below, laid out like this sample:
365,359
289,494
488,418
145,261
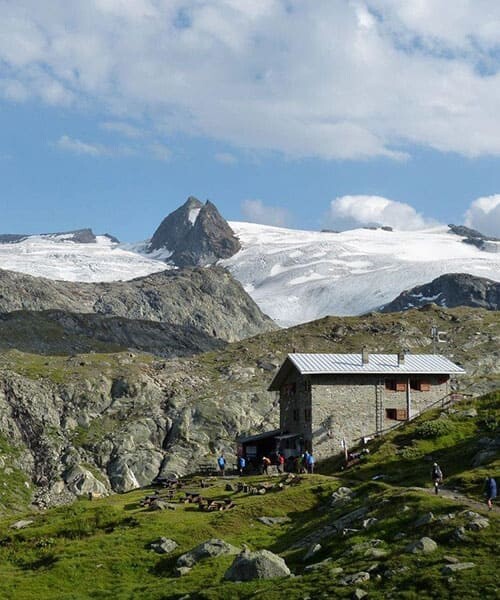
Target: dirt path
454,495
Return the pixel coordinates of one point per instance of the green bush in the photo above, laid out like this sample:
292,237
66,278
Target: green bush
433,429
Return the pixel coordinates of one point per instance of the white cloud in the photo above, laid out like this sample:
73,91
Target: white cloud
76,146
330,78
255,211
350,212
122,128
226,158
160,151
484,215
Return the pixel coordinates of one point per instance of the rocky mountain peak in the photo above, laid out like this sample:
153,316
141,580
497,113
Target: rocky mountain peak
196,235
450,290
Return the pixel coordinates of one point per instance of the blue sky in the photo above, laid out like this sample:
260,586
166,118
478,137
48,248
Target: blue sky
322,114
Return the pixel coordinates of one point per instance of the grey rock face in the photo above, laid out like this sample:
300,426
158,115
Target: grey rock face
82,482
81,236
424,545
453,289
196,235
208,301
257,565
210,548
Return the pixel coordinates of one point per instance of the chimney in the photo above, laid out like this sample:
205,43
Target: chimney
401,358
365,357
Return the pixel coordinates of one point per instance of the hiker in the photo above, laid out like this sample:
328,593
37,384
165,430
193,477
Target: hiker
221,462
266,462
242,463
298,464
437,476
490,491
280,463
310,463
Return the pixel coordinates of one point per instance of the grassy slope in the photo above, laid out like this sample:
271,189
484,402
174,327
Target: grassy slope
100,549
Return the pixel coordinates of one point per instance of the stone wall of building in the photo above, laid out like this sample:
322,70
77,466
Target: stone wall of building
344,408
294,407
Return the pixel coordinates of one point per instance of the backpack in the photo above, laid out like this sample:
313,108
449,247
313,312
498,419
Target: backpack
436,473
222,461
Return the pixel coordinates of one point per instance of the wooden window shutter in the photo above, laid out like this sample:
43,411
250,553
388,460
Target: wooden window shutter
425,386
401,386
401,414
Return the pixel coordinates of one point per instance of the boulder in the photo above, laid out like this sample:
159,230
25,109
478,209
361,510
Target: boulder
341,496
355,578
424,520
319,565
424,545
367,523
359,594
261,564
210,548
273,520
82,482
164,546
454,567
474,521
22,524
459,535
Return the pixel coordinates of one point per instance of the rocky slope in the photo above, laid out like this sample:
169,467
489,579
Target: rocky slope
60,332
102,422
454,289
206,299
194,235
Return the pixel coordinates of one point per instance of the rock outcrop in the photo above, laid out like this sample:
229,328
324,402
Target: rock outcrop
81,236
208,300
451,290
195,235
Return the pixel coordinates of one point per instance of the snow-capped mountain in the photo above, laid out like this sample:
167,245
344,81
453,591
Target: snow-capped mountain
294,276
60,257
297,276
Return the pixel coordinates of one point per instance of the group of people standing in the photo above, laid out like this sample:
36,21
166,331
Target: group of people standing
304,463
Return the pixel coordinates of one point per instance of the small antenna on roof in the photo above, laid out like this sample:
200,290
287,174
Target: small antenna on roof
438,337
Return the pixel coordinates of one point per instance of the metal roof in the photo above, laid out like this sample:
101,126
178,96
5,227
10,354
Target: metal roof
258,436
429,364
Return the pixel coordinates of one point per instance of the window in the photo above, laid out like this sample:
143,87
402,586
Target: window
395,385
396,414
288,390
307,414
419,385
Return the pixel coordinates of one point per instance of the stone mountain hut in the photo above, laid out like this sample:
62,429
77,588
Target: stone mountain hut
329,401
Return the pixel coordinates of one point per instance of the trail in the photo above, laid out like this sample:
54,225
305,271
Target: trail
457,497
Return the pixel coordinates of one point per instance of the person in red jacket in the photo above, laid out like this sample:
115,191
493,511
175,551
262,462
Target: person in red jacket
281,463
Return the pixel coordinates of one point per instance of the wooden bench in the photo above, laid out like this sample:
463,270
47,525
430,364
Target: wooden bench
217,505
207,468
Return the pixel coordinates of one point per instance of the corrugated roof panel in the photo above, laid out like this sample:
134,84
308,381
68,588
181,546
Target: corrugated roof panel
315,364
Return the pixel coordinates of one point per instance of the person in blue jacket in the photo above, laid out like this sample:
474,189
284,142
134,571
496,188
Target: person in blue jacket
490,490
221,462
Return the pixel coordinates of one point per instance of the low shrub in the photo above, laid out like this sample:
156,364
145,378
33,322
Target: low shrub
434,429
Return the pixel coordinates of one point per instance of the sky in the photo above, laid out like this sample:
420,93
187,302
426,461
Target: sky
306,114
